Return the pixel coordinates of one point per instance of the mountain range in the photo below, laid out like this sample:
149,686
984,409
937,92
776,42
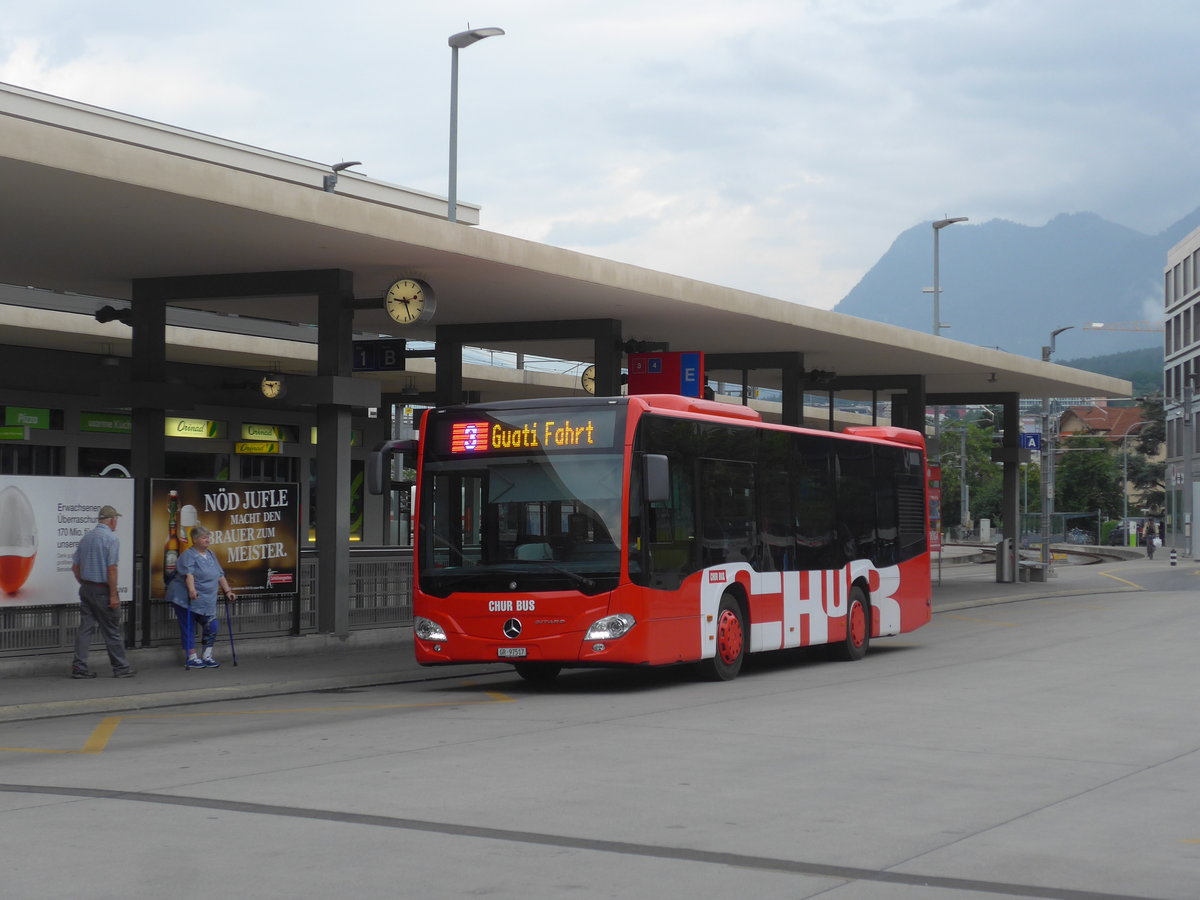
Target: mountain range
1009,286
1143,368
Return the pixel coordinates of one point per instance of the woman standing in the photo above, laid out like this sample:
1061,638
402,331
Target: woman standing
193,591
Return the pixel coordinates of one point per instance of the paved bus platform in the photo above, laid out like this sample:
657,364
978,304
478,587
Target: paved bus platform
41,686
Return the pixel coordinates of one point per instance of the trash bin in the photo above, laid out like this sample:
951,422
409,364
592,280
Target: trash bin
1004,561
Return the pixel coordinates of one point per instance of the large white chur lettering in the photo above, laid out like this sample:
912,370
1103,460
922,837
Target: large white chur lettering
809,600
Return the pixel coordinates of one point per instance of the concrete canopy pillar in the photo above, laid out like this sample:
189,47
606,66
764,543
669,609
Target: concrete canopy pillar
333,393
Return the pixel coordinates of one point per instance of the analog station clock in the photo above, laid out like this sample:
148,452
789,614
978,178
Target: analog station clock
410,301
272,386
588,379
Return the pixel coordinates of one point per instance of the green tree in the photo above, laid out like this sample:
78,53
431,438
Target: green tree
1088,477
984,482
1148,476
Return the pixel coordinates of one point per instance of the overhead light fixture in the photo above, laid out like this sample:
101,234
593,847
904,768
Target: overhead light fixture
106,314
332,180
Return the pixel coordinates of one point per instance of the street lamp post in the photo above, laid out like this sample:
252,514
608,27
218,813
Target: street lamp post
1048,458
937,287
964,499
457,42
937,316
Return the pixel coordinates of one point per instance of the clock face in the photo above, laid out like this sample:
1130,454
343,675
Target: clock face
409,301
272,387
588,379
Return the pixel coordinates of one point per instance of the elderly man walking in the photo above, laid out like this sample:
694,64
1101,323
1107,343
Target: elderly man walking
95,568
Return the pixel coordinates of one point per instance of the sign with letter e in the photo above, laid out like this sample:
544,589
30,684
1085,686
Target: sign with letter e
667,373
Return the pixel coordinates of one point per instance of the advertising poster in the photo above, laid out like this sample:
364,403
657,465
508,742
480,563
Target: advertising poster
42,519
254,525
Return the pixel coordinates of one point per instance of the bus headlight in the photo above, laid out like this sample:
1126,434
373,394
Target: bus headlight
610,627
428,630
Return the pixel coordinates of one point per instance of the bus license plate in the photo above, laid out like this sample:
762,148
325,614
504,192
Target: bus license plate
510,652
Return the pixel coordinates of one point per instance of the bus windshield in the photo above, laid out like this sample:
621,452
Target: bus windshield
551,521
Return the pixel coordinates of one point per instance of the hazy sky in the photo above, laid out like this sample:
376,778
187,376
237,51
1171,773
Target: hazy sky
773,145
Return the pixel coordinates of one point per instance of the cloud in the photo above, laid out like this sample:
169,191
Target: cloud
115,75
774,145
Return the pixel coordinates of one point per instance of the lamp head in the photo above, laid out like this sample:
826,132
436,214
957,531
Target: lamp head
107,314
331,181
467,38
942,223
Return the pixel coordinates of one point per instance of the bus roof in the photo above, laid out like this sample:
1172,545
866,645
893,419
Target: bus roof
887,433
696,405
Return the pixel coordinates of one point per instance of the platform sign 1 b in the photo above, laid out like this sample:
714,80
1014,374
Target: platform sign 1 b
380,356
667,373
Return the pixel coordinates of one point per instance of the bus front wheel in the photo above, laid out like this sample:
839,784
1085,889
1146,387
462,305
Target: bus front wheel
858,627
731,642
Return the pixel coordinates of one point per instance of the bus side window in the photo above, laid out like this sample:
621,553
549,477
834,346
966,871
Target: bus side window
856,538
887,462
728,532
671,533
813,503
777,537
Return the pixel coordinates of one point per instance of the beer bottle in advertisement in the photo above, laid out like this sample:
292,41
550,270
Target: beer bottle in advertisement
171,547
187,520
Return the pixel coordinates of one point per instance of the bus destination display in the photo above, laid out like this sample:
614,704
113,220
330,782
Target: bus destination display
549,433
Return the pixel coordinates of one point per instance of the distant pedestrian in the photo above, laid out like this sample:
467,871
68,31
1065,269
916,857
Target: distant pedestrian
1151,539
95,566
193,591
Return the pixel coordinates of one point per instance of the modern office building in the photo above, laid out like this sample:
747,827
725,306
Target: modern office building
1181,372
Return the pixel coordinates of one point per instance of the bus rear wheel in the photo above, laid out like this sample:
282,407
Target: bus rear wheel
538,672
858,628
731,642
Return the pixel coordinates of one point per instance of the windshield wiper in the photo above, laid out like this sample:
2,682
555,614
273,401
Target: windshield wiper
574,576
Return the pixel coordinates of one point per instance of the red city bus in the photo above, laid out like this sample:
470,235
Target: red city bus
656,530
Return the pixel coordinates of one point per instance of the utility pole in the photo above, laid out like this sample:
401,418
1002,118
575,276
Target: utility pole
1048,441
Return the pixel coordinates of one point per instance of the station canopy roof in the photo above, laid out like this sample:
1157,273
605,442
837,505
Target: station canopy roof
95,199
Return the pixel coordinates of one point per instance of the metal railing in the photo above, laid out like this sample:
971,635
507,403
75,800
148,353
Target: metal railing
380,596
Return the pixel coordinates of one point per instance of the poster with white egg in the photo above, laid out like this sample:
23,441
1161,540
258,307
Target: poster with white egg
42,519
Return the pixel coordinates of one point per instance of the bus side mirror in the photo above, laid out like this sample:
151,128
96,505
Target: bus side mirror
657,477
379,463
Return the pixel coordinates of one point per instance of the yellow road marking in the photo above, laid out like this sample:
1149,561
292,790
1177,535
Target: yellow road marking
102,733
1122,580
100,737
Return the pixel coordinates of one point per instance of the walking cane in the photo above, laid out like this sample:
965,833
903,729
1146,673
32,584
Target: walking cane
188,632
229,628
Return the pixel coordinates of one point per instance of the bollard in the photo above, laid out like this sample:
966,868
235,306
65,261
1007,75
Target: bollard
1172,556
